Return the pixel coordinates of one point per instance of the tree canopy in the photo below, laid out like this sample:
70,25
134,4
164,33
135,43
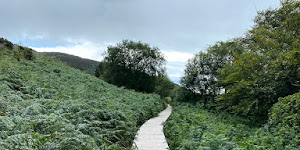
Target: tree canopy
134,65
250,73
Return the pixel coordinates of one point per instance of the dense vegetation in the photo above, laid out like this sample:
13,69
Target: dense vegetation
135,65
45,104
255,77
85,65
191,126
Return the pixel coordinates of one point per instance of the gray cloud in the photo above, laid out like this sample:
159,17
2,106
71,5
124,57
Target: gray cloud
172,25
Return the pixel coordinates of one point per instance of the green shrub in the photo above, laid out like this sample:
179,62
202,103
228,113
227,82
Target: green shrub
286,112
24,53
4,43
285,118
184,95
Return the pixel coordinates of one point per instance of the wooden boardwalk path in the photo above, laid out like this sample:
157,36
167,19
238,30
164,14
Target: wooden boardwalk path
151,136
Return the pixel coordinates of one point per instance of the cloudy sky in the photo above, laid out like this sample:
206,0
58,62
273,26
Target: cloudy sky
180,28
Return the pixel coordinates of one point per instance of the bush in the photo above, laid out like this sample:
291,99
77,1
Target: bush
24,53
285,117
286,112
181,94
4,43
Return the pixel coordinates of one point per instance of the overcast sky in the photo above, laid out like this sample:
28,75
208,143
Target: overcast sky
180,28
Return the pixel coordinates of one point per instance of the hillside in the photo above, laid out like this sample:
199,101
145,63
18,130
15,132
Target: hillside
45,104
86,65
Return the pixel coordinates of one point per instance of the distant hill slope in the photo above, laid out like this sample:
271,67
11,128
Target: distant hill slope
86,65
45,104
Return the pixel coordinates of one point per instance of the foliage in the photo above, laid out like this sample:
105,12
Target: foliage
163,85
100,70
284,115
276,30
200,76
246,93
223,51
4,43
201,73
191,126
9,49
24,53
85,65
270,68
134,65
45,104
184,95
247,75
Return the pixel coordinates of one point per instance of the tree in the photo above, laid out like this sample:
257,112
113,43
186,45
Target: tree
134,65
246,92
255,70
201,73
163,85
199,76
223,54
270,67
100,69
276,37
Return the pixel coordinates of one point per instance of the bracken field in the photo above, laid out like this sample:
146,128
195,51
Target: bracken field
191,126
44,104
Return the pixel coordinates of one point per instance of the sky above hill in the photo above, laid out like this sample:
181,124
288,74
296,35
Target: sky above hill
180,28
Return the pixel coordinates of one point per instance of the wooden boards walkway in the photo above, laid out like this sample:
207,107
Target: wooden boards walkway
151,135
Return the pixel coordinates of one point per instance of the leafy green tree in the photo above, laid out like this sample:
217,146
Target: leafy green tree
276,36
276,30
163,85
223,54
270,67
246,93
100,69
199,76
223,51
201,73
134,65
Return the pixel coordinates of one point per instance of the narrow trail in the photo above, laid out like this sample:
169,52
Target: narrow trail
151,135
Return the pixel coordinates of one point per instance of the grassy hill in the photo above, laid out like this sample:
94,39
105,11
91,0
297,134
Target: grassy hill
85,65
45,104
